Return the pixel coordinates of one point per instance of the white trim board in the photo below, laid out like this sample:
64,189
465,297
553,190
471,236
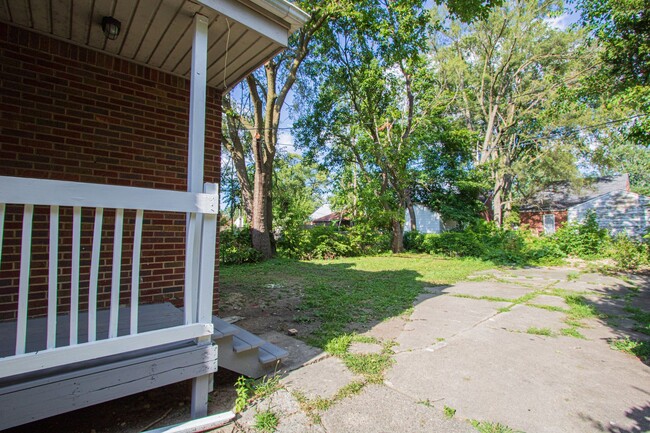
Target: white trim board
17,190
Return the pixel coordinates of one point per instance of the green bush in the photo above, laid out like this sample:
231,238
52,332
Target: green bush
330,242
584,239
235,247
629,254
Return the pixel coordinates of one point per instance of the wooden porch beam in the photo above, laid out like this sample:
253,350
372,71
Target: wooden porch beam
247,17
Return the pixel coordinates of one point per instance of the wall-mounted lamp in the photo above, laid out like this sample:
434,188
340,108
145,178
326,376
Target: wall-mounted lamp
111,27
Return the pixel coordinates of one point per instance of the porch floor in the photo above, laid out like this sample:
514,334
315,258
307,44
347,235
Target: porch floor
239,350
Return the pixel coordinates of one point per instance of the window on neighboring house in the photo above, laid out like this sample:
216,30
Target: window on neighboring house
549,224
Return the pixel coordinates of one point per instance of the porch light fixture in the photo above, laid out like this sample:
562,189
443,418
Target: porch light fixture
111,27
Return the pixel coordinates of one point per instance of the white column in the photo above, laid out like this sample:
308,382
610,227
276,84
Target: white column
195,161
196,156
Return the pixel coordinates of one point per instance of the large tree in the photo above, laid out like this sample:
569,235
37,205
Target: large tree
509,73
255,131
374,95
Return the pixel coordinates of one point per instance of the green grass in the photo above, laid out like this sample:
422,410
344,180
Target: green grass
449,412
490,427
371,288
371,366
640,349
266,421
641,317
572,332
539,331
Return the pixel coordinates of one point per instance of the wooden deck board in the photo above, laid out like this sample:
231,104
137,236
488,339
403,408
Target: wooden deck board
151,317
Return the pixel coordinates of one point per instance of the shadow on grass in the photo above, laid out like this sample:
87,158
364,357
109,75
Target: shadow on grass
325,300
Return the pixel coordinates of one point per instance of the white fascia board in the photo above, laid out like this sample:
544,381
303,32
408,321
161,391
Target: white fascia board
286,11
246,16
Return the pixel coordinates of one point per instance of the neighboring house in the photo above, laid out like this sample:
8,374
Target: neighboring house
426,220
322,211
109,157
323,216
616,208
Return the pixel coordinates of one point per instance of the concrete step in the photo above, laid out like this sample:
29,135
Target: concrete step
243,352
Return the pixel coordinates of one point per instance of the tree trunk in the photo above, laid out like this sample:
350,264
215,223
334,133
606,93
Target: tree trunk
411,209
397,244
260,233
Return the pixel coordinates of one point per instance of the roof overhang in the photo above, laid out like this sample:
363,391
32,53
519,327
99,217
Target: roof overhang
242,34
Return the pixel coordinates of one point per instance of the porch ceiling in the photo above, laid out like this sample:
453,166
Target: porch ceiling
158,33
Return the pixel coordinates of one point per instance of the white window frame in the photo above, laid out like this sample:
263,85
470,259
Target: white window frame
547,229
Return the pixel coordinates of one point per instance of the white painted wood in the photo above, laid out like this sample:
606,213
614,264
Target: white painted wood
239,12
142,19
25,363
74,278
40,15
4,11
81,21
20,13
196,156
170,41
208,247
197,425
200,391
96,37
94,274
198,88
62,193
61,15
117,273
135,270
23,283
122,12
3,208
189,302
52,279
89,385
160,23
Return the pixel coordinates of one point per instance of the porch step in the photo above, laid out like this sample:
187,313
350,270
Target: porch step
243,352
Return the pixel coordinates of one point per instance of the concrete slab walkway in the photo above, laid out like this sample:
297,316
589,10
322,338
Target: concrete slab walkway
521,348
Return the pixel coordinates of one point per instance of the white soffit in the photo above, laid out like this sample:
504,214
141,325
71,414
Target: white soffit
242,35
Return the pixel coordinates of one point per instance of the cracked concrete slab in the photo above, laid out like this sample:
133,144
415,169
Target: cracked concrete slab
526,382
397,413
492,289
320,379
443,317
522,317
549,300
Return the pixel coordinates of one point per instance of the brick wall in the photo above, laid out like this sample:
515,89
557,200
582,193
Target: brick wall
70,113
535,220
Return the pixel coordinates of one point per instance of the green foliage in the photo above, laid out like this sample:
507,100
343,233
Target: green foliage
235,247
521,247
584,239
244,390
640,349
297,187
491,427
266,421
539,331
449,412
628,254
330,242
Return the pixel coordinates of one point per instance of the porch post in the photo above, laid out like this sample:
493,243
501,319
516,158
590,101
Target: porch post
195,158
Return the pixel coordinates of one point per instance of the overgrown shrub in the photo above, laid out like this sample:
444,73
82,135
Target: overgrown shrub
584,239
629,254
235,247
330,242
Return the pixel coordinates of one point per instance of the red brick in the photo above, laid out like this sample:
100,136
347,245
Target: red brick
75,114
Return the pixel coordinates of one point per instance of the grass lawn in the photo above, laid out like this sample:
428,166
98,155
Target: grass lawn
338,296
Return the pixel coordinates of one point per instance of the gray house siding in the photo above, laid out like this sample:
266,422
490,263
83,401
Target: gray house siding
618,211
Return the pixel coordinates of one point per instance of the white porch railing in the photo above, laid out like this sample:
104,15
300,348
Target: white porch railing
201,209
